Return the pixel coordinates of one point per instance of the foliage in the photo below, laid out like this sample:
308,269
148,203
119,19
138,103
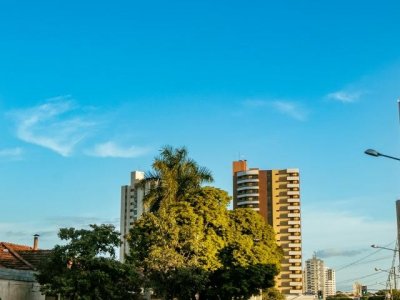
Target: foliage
339,296
395,294
184,238
272,294
336,297
187,242
197,246
86,268
173,177
250,259
251,240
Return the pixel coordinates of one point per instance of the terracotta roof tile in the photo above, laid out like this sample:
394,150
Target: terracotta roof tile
20,257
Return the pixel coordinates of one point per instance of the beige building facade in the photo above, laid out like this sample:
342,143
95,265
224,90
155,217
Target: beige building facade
314,276
275,194
131,208
330,282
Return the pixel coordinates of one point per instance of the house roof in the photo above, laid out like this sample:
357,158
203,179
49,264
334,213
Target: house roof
20,257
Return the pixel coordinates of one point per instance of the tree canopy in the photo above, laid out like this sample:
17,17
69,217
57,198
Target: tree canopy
189,243
186,245
197,246
183,238
173,176
86,268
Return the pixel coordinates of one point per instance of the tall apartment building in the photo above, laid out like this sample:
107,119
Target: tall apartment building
131,208
317,277
314,276
330,282
275,194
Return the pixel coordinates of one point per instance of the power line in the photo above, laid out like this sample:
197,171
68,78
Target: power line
358,261
356,279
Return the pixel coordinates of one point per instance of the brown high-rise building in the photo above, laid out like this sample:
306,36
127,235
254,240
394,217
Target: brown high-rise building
275,194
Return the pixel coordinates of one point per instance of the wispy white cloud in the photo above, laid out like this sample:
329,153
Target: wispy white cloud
331,252
11,152
343,233
291,109
57,124
344,97
111,149
255,103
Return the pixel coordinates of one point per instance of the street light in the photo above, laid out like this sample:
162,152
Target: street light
391,272
375,153
380,247
393,269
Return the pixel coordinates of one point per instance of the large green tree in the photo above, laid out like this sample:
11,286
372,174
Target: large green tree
85,267
188,243
177,246
173,176
198,247
250,260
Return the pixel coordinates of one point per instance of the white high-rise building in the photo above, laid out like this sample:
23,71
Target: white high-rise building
314,276
330,282
317,277
131,208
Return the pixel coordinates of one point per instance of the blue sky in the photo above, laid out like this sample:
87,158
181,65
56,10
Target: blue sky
91,91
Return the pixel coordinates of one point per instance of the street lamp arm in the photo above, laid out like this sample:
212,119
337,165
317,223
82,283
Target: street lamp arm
380,247
388,156
375,153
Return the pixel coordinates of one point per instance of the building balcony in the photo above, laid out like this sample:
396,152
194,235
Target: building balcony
294,237
293,193
245,180
295,275
295,268
248,172
294,222
294,252
292,178
248,187
294,207
293,185
293,200
248,195
294,215
297,292
247,202
294,245
294,229
296,283
292,170
295,260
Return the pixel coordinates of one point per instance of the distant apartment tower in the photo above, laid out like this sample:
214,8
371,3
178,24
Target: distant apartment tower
275,194
330,282
314,276
131,208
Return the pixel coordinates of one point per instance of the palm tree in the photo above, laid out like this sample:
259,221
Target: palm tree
173,177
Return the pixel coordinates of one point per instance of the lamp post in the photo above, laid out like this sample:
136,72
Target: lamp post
375,153
389,279
380,247
393,269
